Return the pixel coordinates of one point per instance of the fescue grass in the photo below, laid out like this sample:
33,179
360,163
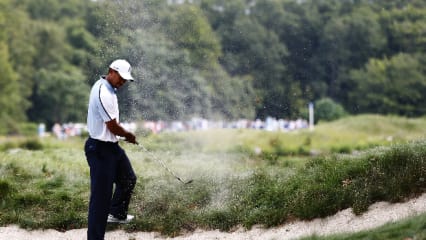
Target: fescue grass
241,177
412,228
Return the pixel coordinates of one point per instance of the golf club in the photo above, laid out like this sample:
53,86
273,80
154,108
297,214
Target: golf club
164,165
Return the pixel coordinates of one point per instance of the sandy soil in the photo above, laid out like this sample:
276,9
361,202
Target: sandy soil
344,221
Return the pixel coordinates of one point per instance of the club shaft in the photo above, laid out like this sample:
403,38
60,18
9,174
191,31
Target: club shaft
162,164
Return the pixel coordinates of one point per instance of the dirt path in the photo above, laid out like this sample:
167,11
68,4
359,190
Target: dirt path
344,221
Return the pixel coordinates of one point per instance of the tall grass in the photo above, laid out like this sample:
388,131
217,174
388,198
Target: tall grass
234,183
413,228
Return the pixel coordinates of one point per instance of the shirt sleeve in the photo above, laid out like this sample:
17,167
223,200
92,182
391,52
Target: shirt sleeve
108,106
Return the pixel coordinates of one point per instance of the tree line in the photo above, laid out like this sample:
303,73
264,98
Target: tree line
212,58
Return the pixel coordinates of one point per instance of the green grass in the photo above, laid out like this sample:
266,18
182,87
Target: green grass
413,228
241,177
46,189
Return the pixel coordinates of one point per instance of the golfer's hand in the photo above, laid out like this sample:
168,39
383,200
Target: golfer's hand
130,138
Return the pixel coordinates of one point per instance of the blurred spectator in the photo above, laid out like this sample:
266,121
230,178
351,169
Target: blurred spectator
57,131
41,130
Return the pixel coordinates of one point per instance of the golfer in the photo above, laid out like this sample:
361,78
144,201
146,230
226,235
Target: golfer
108,162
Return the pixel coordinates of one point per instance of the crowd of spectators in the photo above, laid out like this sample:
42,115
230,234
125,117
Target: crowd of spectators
270,124
63,131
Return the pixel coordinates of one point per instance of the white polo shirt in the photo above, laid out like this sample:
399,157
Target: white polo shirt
103,107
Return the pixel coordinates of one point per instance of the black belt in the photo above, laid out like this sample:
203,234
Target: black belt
103,142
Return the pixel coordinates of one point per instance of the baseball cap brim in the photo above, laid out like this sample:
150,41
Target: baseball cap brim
127,76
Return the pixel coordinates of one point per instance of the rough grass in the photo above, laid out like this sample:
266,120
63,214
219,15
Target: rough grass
47,186
413,228
234,183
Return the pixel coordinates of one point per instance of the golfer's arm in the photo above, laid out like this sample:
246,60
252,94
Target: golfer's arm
117,129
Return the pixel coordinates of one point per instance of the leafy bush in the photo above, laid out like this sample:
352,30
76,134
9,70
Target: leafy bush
328,110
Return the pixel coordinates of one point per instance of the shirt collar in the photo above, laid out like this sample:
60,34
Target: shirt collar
108,85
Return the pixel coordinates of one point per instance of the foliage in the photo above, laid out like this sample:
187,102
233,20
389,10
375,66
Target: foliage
10,96
189,29
211,58
381,81
328,110
405,29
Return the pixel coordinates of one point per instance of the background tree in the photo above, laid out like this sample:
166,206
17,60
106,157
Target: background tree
168,87
405,30
214,58
348,42
60,96
52,88
189,29
12,97
391,86
178,60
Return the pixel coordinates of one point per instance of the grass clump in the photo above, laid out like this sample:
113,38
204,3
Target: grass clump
413,228
393,175
224,220
34,199
263,201
174,207
5,189
332,183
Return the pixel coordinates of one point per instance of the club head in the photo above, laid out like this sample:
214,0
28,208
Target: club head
187,182
190,181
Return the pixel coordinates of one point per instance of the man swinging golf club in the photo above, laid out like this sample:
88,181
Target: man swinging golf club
108,162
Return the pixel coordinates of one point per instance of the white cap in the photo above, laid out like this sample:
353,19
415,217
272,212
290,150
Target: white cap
123,68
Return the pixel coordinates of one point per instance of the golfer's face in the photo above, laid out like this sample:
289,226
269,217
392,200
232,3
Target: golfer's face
117,80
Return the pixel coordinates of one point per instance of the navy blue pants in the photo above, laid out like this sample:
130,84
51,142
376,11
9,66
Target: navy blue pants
109,165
